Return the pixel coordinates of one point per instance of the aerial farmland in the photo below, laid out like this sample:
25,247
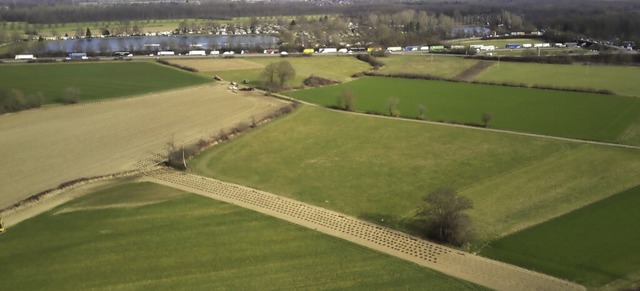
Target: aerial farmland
361,146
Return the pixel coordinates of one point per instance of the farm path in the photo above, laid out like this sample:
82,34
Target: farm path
473,71
45,147
466,266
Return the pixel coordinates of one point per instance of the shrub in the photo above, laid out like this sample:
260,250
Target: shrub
315,81
375,63
71,95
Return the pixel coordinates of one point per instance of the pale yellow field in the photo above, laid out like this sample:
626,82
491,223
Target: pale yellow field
45,147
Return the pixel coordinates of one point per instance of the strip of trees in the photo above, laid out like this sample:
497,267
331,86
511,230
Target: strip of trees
384,22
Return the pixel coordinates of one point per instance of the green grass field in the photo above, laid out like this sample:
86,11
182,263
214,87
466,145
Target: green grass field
145,236
95,80
435,65
595,245
379,168
619,79
330,67
558,113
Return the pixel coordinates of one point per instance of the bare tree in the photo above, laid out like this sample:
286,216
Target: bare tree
486,117
391,106
285,72
276,75
346,99
269,76
443,212
71,95
422,112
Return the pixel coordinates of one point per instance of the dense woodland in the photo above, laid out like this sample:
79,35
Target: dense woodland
387,22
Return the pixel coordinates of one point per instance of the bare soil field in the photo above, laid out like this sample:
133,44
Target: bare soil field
45,147
209,65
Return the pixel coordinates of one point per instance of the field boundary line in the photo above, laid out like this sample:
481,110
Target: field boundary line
456,263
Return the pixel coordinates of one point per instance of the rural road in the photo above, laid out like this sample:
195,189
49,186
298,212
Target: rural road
45,147
467,266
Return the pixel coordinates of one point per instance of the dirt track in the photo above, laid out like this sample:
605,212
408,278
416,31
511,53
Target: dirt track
489,273
45,147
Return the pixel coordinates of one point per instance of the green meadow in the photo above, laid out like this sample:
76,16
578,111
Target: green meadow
377,168
621,80
94,80
558,113
595,245
146,236
434,65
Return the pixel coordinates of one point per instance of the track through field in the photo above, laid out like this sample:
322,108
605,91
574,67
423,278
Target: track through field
467,266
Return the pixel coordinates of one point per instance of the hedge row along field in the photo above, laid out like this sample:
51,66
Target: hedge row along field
594,245
94,80
557,113
380,169
145,236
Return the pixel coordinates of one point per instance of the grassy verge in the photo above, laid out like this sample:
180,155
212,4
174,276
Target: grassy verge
558,113
594,245
145,236
376,168
94,80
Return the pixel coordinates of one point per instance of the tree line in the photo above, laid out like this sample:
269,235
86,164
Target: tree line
393,21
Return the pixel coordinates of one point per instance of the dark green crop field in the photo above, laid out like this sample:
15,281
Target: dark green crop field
146,236
94,80
557,113
594,245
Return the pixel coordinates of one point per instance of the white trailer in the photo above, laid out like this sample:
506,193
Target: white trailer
527,45
166,53
394,49
328,50
25,57
424,48
197,53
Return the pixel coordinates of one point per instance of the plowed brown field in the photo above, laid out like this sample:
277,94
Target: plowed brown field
42,148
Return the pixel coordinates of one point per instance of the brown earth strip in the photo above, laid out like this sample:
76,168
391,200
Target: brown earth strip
473,71
467,266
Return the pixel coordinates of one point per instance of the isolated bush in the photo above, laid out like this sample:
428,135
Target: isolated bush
391,106
486,117
422,112
375,63
71,95
315,81
346,100
15,100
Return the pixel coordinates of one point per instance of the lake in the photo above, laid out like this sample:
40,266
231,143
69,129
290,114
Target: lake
157,43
